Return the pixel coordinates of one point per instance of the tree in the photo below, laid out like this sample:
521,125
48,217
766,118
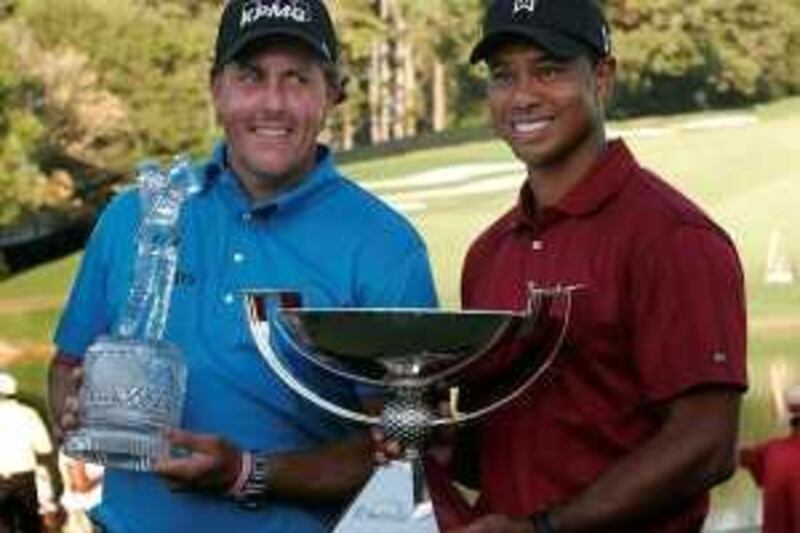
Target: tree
154,56
24,185
675,56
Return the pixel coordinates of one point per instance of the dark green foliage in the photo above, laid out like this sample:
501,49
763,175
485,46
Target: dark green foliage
153,55
136,73
677,55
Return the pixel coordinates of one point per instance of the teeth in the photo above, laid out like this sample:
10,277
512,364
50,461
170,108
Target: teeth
529,127
272,132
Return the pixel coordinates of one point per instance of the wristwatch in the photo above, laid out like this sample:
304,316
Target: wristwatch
250,489
543,522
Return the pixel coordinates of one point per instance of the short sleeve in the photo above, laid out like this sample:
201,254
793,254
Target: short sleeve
396,275
689,325
87,311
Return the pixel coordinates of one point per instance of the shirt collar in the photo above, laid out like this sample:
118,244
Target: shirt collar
604,181
218,171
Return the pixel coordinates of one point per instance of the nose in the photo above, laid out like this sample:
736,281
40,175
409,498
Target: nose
272,95
526,92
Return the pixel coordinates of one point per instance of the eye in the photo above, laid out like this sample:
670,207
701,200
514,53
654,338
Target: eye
500,77
549,72
247,74
297,77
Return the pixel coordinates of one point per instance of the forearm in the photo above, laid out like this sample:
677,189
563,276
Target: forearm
694,450
330,473
212,464
63,387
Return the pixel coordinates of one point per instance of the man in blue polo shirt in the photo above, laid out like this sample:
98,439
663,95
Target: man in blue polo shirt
273,212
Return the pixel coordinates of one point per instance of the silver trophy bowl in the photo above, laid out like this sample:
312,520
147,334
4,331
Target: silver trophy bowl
408,355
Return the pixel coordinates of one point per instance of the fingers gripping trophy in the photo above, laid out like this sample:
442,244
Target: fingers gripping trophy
135,380
408,354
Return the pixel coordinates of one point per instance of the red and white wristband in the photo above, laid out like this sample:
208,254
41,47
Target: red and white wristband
250,488
244,471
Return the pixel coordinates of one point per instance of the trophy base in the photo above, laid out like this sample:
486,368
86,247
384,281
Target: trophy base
394,500
117,448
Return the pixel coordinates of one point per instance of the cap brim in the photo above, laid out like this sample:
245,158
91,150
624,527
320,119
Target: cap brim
554,43
270,33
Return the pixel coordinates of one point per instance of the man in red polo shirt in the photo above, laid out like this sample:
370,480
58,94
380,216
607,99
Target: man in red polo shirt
638,417
775,466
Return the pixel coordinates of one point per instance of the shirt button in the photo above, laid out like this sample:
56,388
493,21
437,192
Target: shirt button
537,245
238,257
720,358
228,299
247,217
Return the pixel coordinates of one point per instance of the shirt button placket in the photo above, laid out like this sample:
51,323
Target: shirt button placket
238,259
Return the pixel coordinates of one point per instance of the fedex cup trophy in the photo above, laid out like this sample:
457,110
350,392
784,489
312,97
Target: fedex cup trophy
406,353
134,380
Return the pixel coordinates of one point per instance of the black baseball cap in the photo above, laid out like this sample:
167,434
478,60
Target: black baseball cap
244,22
563,28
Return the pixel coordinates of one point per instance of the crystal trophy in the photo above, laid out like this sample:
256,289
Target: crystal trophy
408,355
134,380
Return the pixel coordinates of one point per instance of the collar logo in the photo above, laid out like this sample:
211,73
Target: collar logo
289,10
524,5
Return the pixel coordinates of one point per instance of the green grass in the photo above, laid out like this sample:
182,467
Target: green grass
31,379
780,108
50,280
31,327
402,165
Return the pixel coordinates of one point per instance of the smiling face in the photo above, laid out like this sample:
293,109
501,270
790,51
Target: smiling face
272,103
548,110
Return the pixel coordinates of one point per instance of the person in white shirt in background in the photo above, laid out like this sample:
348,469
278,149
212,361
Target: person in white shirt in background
24,444
83,488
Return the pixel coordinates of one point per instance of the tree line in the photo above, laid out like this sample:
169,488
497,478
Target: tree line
110,82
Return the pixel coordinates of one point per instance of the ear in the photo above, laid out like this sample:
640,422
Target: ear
336,89
216,89
605,75
215,84
333,97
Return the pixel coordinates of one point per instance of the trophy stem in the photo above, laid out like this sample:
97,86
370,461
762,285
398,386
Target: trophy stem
421,492
396,499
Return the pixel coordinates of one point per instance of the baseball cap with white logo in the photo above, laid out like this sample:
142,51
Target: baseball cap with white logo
563,28
244,22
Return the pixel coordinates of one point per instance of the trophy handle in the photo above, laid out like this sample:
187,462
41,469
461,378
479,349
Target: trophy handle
260,309
535,296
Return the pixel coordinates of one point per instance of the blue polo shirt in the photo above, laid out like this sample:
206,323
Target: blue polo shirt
335,243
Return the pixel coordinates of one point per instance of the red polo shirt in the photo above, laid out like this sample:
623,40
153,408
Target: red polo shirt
776,468
662,312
